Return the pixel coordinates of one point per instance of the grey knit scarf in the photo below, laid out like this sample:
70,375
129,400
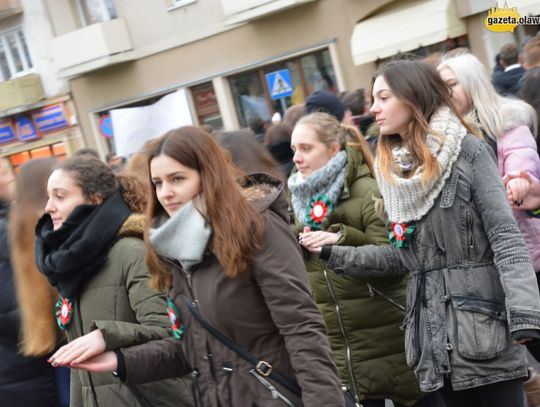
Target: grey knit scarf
406,199
183,237
327,180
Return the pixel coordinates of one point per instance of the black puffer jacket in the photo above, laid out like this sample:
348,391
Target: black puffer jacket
23,381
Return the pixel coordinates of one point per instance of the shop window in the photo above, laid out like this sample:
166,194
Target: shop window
57,151
307,73
206,105
96,11
318,72
14,56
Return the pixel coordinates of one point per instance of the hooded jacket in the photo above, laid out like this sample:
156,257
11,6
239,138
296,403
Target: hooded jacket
516,152
118,301
363,324
267,309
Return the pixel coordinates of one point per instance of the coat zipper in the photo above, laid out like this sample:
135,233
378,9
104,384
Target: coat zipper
470,232
343,334
195,373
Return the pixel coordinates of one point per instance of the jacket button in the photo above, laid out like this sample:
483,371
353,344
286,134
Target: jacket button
449,346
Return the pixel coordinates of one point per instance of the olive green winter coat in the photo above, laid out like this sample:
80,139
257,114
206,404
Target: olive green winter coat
118,301
358,311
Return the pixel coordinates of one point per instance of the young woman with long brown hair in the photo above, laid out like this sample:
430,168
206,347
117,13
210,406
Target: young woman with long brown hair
224,252
472,298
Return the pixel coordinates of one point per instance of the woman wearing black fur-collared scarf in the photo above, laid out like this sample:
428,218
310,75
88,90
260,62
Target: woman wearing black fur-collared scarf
89,246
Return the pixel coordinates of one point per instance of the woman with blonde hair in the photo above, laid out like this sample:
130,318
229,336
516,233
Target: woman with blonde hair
332,195
26,378
472,299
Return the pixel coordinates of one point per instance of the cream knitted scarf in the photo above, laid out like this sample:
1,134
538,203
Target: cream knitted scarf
406,199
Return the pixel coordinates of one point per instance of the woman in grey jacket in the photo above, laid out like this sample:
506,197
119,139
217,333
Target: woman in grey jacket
472,297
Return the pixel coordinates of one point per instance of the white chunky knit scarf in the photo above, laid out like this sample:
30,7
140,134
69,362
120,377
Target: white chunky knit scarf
406,199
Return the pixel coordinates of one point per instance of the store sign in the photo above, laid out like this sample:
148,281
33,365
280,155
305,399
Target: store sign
50,118
7,132
25,129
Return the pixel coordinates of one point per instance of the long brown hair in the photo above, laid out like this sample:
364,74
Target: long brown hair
329,130
419,86
237,227
36,297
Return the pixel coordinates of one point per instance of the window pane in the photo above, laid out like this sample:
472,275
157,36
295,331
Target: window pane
96,11
4,67
318,72
25,49
15,52
249,97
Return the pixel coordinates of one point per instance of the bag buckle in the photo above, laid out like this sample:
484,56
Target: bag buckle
263,368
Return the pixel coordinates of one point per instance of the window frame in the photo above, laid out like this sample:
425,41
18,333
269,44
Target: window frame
103,9
174,4
22,49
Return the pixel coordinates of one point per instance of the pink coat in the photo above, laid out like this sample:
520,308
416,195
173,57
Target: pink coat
516,151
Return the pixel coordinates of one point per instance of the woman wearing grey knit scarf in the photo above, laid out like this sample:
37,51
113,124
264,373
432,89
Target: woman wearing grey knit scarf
331,195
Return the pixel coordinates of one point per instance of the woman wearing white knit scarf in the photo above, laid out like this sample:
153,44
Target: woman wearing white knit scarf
472,298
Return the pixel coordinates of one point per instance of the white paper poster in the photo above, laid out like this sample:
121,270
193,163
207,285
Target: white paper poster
134,126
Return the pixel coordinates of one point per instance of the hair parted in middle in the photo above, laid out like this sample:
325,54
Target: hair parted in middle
237,227
421,89
329,130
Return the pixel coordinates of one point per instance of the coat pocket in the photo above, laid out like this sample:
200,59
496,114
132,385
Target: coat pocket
482,330
411,345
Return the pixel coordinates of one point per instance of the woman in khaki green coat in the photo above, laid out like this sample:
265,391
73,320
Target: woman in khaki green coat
89,246
332,195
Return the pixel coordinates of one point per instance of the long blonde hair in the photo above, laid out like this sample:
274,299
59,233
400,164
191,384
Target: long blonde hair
35,296
485,102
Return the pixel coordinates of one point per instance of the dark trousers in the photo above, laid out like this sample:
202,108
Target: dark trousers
503,394
534,346
429,400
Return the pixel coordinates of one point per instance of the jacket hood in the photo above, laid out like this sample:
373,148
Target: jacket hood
516,113
356,167
265,191
132,227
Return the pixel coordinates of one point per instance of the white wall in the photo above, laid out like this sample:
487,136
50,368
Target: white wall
38,32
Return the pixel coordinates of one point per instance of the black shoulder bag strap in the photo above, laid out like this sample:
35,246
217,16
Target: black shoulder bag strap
262,367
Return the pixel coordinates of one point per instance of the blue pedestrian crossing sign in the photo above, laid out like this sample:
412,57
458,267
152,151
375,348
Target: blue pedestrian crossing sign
279,84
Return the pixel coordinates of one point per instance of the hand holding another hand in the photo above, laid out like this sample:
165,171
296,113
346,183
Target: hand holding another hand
79,350
313,241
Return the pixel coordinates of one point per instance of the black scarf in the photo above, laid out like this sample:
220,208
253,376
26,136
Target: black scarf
74,253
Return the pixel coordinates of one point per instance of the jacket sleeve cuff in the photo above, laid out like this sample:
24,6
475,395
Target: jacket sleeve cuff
326,252
121,369
525,334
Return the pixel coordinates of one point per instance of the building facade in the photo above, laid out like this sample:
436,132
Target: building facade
224,57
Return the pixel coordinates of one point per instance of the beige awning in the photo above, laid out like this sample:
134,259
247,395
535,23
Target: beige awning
406,26
526,7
